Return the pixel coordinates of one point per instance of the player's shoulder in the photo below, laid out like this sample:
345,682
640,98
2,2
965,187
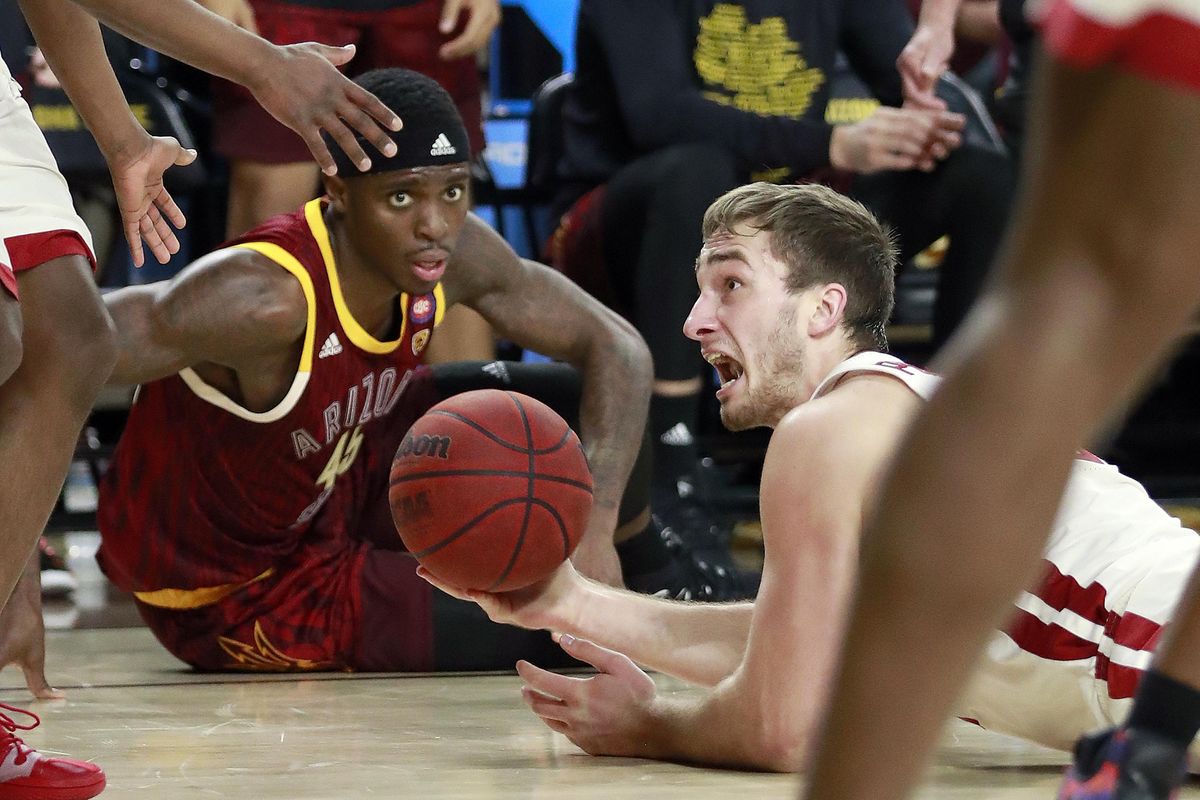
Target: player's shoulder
481,260
851,426
250,285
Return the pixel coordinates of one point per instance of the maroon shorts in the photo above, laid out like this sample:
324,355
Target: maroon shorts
401,37
30,250
351,606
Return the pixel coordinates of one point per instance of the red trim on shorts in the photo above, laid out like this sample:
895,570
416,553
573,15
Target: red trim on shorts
1047,640
30,250
1159,46
1055,643
1061,592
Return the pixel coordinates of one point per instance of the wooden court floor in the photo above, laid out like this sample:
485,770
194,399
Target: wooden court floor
161,731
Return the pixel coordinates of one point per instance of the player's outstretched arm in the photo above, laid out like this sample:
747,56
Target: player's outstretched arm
762,714
70,39
698,642
538,309
233,308
298,84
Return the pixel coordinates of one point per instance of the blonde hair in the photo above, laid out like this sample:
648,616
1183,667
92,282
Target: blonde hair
823,237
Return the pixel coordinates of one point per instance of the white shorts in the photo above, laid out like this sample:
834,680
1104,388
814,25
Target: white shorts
1071,655
1158,39
35,203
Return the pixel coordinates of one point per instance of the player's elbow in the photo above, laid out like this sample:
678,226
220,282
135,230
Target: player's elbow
622,341
781,747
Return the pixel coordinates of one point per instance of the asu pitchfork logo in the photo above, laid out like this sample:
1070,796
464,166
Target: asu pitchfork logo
263,656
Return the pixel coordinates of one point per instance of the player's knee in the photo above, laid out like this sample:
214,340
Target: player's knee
83,346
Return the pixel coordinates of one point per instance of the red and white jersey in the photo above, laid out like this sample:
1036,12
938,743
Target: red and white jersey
1114,568
1158,39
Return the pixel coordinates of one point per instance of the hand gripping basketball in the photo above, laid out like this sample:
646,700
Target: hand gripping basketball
490,490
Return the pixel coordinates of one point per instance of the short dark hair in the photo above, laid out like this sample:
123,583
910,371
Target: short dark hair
433,131
823,237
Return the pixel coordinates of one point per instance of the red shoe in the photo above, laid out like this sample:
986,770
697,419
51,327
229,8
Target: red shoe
26,774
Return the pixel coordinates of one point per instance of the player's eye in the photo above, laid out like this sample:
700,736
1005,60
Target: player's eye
400,199
731,284
455,193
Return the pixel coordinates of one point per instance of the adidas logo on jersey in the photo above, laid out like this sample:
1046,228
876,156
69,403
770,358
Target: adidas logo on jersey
331,347
678,435
442,147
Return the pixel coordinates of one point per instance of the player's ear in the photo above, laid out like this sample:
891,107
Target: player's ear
335,188
829,310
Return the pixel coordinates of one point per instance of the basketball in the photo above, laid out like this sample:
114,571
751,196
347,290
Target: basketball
490,490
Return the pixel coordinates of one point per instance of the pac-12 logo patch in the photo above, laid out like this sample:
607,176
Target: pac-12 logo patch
419,340
422,309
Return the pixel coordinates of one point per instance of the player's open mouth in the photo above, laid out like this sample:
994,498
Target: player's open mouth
429,271
729,371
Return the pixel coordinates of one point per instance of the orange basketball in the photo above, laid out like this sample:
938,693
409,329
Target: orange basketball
490,490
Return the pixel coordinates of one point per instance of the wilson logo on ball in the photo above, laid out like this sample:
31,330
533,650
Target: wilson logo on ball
432,446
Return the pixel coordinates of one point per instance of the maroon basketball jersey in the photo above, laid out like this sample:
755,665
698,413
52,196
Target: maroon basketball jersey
204,495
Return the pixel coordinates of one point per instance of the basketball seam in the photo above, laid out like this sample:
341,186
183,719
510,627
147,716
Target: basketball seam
529,495
466,527
509,445
491,473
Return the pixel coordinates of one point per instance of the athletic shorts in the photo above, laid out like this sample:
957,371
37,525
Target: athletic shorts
401,37
37,219
1158,39
1072,656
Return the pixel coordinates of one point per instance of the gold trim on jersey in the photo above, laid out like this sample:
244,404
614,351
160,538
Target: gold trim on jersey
218,398
183,599
439,299
357,333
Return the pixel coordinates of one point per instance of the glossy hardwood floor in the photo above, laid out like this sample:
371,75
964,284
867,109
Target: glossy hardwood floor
161,731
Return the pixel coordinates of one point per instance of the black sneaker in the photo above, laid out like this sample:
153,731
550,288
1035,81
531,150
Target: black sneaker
700,565
1124,764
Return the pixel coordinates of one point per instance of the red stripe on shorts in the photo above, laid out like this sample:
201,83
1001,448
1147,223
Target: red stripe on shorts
1159,45
1122,680
1047,640
33,249
1061,592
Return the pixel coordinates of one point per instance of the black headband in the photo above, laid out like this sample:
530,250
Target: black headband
431,140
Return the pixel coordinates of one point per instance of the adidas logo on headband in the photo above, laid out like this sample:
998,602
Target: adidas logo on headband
442,147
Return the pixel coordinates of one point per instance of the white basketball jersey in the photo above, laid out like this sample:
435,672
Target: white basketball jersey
1114,568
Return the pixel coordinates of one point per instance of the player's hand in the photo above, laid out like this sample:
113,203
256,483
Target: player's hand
922,62
23,634
148,212
482,18
896,139
238,12
610,714
302,88
549,604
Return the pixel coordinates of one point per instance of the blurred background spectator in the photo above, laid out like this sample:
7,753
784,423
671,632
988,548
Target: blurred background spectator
677,101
